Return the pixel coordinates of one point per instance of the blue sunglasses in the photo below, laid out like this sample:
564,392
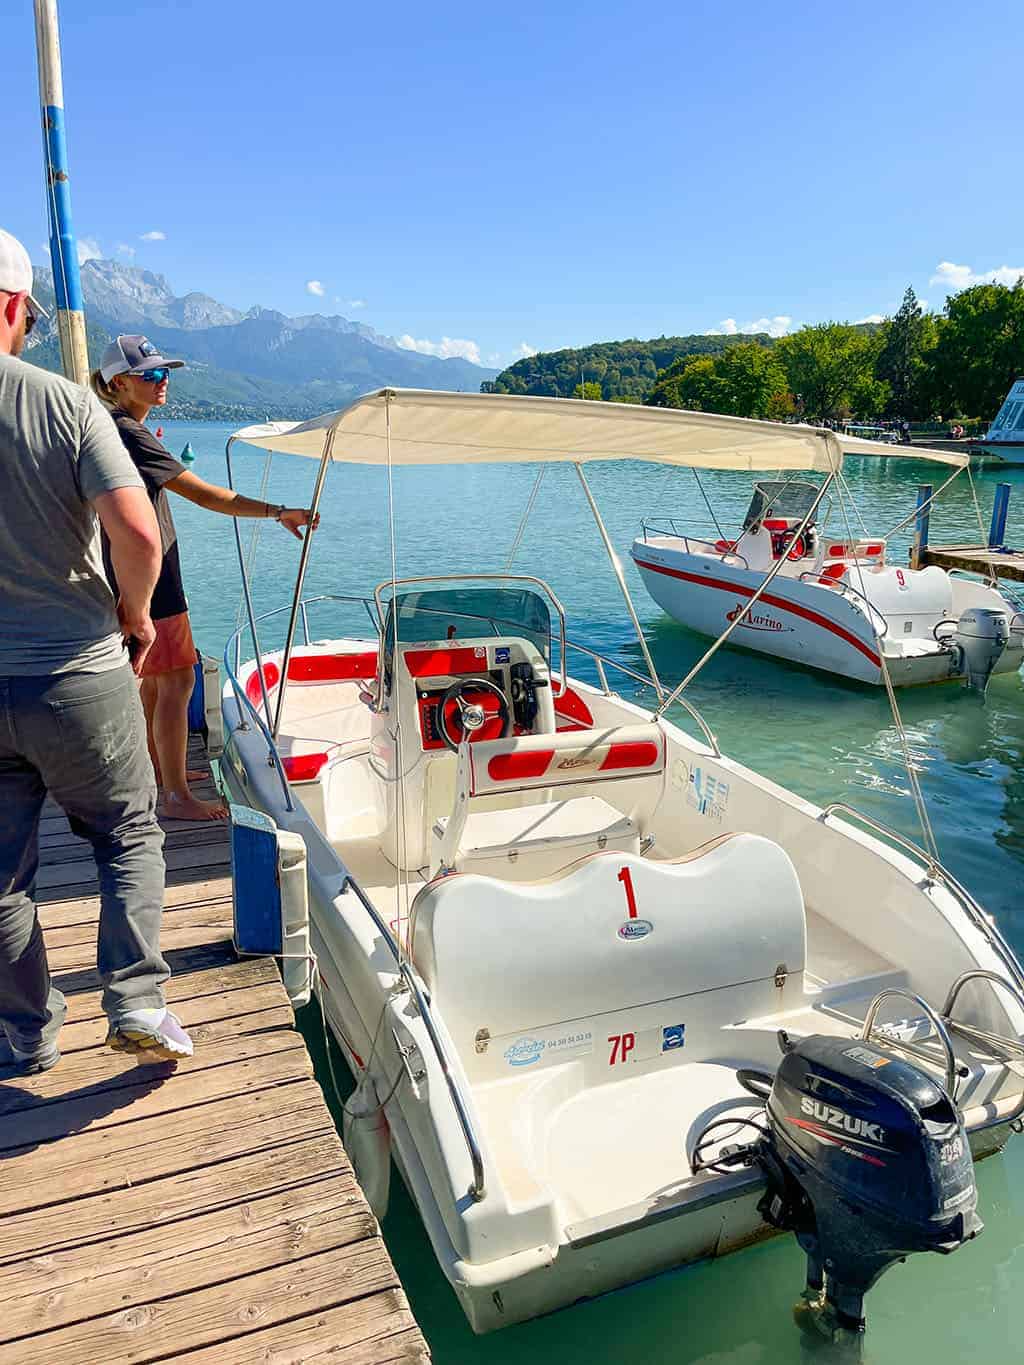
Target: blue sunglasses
151,376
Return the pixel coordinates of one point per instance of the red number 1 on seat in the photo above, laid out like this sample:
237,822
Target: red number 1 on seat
626,878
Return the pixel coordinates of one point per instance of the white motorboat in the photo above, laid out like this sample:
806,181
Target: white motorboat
556,936
834,603
1004,439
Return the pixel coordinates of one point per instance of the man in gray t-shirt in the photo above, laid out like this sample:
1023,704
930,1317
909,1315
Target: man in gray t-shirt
71,720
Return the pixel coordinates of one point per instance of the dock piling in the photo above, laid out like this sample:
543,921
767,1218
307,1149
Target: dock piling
921,520
1000,507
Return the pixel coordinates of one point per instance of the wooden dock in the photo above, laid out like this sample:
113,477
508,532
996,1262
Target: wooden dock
205,1212
980,559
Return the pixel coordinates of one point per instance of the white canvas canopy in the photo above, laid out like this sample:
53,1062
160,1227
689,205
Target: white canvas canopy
473,428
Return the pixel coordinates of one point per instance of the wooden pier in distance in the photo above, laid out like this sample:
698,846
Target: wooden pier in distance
992,560
207,1212
979,559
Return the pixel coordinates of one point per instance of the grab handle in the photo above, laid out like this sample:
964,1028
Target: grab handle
925,1008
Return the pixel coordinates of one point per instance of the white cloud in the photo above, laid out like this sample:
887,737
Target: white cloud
871,317
356,303
155,236
123,249
956,277
775,327
445,349
89,250
315,287
524,350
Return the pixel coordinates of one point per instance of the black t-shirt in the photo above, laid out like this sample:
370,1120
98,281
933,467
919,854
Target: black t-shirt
157,466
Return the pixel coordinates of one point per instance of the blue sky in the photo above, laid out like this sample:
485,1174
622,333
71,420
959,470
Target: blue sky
538,175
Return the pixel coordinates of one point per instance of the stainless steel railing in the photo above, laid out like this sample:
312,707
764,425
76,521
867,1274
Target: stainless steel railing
848,590
602,662
937,872
692,543
477,1189
246,709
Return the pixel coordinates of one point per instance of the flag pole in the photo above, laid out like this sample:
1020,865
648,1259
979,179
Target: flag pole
67,281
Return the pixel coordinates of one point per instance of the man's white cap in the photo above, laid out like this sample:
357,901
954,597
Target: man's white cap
16,270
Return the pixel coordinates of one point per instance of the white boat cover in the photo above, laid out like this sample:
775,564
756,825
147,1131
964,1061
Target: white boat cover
474,428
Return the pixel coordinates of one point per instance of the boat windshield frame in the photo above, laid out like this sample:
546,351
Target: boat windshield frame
766,497
386,593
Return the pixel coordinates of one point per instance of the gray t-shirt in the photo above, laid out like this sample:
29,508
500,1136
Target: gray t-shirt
59,450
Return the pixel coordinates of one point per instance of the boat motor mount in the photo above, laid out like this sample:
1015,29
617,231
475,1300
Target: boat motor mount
976,645
866,1160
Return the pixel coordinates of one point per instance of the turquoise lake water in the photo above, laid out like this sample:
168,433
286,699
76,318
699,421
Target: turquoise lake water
821,738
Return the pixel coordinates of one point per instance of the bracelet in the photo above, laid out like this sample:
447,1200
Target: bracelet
276,509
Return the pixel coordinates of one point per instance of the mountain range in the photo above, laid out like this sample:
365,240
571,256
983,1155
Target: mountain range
243,365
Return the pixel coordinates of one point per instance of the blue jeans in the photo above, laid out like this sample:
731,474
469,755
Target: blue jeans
82,736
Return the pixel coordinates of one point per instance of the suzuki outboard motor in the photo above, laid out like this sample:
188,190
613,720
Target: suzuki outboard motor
867,1161
981,636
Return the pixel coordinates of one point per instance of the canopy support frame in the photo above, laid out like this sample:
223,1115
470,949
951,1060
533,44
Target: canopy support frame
613,559
741,616
307,542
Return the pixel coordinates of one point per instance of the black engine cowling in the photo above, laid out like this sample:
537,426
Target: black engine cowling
867,1161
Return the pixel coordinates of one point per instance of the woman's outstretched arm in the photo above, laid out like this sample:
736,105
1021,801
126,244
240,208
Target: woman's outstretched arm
217,499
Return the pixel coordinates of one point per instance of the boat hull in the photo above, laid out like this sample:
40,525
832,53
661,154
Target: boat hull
803,622
513,1256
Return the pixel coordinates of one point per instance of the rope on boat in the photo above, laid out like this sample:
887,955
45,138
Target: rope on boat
316,982
254,539
402,842
915,786
927,502
993,580
525,518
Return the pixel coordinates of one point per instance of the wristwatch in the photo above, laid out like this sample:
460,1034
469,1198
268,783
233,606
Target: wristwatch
276,509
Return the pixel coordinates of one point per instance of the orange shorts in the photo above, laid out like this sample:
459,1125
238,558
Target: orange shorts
173,647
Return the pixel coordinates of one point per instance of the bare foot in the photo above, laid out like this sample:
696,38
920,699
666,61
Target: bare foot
181,807
192,775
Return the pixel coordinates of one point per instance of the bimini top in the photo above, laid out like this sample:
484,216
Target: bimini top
424,427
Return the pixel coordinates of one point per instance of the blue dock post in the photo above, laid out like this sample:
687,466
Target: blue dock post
997,531
920,544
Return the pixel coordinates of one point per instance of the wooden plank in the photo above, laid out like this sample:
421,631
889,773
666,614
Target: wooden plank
975,559
81,975
216,914
222,973
76,956
371,1331
221,1312
40,1232
205,1211
182,864
77,909
56,851
89,1077
69,1287
131,1154
208,1016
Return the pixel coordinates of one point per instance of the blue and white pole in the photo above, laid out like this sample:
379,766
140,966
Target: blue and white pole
63,247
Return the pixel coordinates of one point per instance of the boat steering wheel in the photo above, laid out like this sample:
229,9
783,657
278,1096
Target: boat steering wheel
463,713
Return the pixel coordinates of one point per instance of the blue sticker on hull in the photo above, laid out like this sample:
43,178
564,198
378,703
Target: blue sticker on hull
673,1036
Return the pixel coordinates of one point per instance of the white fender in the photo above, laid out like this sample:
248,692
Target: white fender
367,1139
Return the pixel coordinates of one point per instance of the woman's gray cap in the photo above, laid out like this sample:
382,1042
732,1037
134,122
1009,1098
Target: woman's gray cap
128,353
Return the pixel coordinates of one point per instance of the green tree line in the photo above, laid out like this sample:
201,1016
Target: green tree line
915,365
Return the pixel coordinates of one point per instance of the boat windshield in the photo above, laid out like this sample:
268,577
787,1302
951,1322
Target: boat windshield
470,612
789,499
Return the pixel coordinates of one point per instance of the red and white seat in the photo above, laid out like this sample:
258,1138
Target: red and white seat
527,841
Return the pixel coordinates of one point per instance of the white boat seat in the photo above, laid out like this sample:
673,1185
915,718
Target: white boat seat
526,843
633,754
531,965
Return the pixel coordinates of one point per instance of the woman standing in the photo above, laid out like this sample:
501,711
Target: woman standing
132,380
